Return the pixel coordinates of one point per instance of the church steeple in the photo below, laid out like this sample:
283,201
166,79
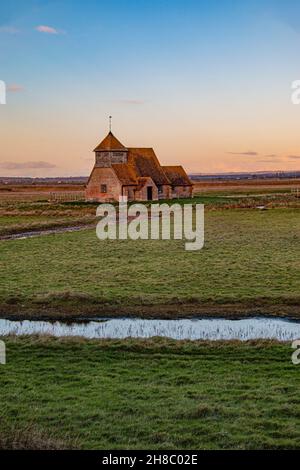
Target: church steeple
110,142
110,150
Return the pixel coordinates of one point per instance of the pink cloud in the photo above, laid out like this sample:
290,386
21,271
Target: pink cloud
47,29
14,88
26,165
249,153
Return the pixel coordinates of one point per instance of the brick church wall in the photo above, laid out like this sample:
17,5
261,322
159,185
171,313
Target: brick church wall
129,191
142,194
99,178
166,192
106,159
182,191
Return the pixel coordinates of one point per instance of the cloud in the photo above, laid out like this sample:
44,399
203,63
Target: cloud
47,29
271,156
248,153
14,88
26,165
9,30
270,160
294,157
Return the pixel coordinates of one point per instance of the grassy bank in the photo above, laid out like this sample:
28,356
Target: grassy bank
154,394
19,217
22,216
13,225
250,263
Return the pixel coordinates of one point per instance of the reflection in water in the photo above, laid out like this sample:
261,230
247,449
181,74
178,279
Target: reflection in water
206,329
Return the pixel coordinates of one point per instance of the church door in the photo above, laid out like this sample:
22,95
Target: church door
149,193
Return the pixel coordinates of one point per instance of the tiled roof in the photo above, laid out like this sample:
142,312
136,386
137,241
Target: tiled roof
125,173
145,163
177,176
110,142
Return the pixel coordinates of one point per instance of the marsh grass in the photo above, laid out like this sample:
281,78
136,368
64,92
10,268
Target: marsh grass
249,256
28,437
153,394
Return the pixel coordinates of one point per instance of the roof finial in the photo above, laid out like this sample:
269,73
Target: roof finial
110,118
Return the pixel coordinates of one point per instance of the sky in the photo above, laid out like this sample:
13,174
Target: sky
207,84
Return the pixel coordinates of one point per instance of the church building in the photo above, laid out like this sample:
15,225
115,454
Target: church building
135,173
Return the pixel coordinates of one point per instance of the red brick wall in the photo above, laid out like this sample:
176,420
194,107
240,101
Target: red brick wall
141,195
105,159
101,176
166,192
182,191
129,191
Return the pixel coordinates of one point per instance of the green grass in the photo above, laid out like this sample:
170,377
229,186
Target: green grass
248,255
244,190
154,394
14,224
21,216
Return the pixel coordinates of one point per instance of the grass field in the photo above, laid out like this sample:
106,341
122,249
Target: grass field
250,258
21,216
11,225
247,185
154,394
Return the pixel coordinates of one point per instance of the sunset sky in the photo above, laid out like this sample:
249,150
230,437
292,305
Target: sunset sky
206,83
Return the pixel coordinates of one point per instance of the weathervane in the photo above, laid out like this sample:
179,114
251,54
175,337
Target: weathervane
110,118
